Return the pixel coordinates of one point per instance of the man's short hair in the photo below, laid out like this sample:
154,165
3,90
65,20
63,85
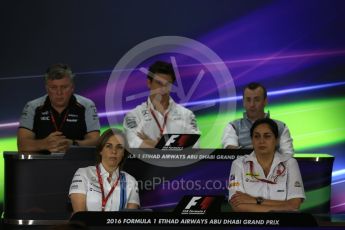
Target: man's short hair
255,85
162,67
58,71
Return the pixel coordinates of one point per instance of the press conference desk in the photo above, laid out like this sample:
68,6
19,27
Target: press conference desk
36,186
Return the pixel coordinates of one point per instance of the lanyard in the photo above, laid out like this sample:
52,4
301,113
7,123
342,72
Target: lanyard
54,122
100,181
279,173
161,128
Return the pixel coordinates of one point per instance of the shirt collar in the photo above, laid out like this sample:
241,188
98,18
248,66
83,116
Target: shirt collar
47,103
278,158
171,104
105,174
245,116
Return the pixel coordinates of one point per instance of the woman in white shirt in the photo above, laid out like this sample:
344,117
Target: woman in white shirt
105,187
265,180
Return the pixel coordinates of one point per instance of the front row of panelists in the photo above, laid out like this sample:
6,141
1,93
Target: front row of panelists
265,180
105,187
262,181
159,115
59,119
236,133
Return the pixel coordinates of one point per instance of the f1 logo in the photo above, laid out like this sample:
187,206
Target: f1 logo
171,140
193,202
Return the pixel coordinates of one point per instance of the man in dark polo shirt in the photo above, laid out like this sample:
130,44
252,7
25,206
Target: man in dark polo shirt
60,119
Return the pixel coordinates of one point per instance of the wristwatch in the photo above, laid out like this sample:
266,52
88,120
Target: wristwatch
259,200
75,143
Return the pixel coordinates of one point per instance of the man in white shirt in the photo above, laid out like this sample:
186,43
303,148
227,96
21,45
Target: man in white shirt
237,133
159,115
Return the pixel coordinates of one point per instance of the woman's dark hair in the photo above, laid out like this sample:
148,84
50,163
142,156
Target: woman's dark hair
271,123
103,140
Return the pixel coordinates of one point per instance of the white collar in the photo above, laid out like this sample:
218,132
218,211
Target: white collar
171,104
278,158
105,174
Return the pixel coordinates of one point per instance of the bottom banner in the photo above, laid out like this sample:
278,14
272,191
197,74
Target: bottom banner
219,219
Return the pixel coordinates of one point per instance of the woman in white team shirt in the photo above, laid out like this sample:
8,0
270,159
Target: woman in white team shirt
265,180
105,187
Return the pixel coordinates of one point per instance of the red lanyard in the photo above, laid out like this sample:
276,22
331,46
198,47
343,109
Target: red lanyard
161,128
279,173
54,122
100,181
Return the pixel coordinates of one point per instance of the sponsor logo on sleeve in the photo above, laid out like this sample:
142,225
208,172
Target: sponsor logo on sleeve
74,186
131,122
